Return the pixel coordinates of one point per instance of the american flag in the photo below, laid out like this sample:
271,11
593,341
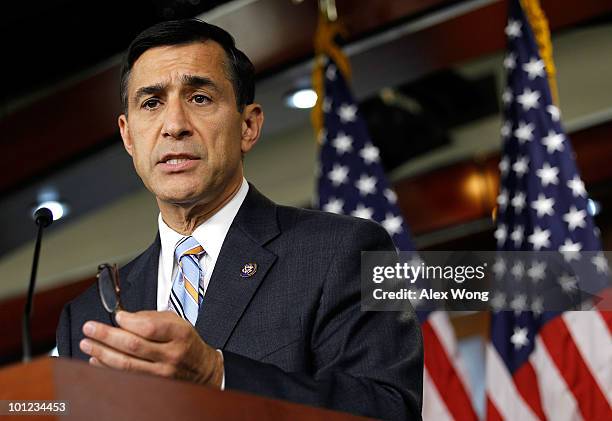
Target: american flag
352,181
543,365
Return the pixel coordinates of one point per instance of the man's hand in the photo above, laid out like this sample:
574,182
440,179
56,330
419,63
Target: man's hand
159,343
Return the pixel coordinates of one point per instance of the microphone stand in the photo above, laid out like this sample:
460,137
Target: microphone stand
43,218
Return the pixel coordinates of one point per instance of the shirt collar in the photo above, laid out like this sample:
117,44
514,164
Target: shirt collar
210,234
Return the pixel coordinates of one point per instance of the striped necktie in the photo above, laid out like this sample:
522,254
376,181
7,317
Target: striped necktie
187,289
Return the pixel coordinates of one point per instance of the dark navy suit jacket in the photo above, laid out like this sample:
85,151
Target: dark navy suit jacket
294,330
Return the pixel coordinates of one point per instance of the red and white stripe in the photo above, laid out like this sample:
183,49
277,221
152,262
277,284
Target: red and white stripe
504,401
445,392
568,375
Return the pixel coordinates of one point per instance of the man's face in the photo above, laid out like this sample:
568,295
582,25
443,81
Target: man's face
183,129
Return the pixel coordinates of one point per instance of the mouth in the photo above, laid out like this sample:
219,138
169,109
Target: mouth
177,162
174,159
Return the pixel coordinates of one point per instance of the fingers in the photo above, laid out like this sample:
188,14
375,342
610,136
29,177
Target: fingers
154,325
122,340
104,356
153,342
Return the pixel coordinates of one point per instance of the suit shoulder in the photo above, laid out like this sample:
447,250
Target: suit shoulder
327,223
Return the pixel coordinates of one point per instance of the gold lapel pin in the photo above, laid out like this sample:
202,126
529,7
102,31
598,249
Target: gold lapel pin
248,270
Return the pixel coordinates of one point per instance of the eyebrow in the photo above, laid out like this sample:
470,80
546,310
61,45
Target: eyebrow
191,81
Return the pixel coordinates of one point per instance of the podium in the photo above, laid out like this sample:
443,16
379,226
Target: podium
104,394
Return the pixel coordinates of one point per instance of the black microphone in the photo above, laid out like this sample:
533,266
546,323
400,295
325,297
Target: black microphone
43,218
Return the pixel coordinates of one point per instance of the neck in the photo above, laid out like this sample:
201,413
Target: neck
185,219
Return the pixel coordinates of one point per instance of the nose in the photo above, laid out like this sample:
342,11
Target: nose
176,121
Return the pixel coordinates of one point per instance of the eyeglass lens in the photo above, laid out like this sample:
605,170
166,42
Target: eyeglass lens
108,293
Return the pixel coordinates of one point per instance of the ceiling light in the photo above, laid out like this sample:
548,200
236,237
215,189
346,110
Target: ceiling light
49,198
58,209
302,98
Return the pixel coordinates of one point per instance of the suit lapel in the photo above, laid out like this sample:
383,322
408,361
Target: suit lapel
139,290
229,293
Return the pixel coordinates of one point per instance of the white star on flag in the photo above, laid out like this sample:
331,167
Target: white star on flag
537,306
338,174
416,302
548,175
570,250
518,270
518,202
600,262
506,129
534,68
393,224
366,184
517,235
334,205
499,267
500,234
568,283
521,166
510,61
524,132
554,112
502,199
370,153
415,260
576,185
575,218
519,303
519,337
513,29
363,212
347,113
540,238
330,73
536,271
507,96
343,143
528,99
543,206
553,142
327,104
504,165
499,301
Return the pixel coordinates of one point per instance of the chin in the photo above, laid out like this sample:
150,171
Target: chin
179,197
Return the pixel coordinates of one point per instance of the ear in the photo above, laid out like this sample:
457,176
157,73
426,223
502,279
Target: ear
125,133
252,123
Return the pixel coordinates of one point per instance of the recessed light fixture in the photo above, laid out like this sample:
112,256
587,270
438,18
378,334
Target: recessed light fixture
301,98
58,209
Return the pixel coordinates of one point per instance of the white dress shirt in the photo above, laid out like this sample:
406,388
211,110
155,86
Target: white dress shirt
210,234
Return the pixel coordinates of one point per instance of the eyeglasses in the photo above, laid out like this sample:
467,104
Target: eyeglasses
108,288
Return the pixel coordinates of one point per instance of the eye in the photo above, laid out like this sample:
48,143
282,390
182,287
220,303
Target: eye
200,99
150,104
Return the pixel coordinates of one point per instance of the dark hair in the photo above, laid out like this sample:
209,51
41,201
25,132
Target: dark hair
177,32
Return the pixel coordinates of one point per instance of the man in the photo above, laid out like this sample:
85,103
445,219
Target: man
274,309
